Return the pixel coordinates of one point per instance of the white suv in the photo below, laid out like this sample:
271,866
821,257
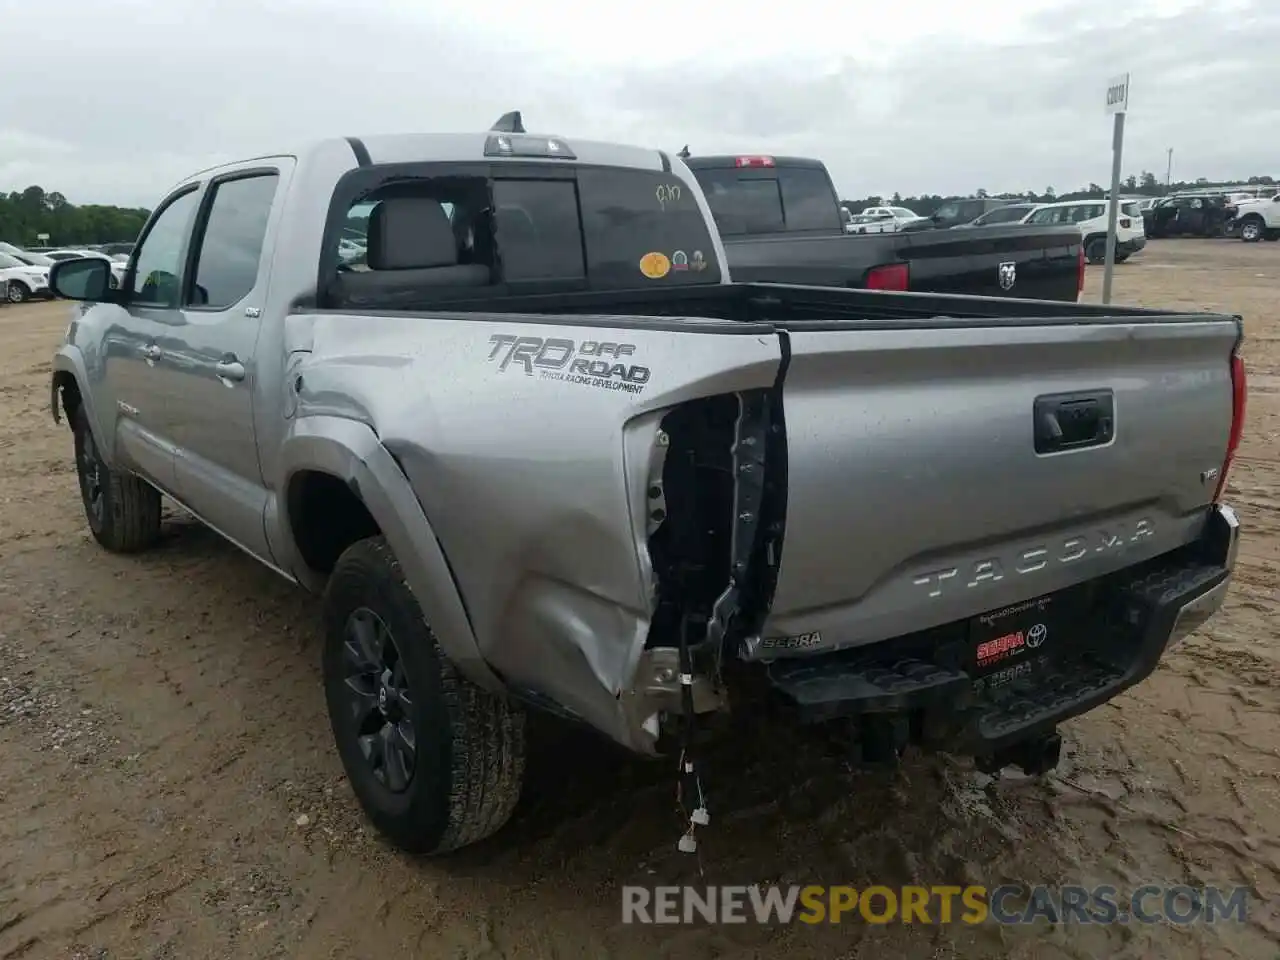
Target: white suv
1091,217
21,281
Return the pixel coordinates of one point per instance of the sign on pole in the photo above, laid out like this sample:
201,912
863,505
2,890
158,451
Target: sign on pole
1118,94
42,237
1117,105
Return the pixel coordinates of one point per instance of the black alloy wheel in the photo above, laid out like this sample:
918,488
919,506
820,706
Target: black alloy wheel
380,701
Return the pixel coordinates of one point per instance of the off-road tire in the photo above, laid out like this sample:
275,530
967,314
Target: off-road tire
128,520
470,744
1252,229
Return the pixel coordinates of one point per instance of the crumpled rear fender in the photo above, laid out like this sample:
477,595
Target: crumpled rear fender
352,452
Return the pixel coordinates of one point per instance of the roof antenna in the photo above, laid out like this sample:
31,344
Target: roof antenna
684,152
509,123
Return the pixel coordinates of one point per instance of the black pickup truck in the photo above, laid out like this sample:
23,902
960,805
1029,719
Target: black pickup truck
780,221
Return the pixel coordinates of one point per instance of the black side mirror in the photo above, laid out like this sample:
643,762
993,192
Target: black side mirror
83,278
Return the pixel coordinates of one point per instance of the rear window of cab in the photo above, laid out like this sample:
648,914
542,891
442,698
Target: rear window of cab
517,228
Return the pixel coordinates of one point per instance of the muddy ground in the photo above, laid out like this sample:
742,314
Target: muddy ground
168,788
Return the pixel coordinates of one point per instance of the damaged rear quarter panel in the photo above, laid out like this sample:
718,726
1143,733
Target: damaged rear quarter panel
532,471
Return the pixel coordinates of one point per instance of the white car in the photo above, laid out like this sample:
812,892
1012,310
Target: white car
1090,216
350,249
891,219
868,223
22,281
117,267
1257,219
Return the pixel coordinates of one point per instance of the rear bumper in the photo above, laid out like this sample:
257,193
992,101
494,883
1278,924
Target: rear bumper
928,694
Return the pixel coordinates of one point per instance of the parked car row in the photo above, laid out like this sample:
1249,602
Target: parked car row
1089,216
24,274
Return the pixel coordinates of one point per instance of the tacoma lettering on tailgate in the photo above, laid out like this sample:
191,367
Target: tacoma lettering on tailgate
1033,559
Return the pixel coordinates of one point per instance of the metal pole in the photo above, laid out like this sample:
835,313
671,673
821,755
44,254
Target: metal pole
1168,171
1113,207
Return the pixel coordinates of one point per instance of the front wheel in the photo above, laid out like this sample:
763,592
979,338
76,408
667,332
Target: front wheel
1251,230
18,292
1096,251
436,762
123,511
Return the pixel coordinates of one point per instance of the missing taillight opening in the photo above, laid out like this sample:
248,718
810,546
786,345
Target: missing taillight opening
1239,393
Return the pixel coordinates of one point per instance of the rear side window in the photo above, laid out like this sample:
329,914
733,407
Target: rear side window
808,202
231,245
1050,215
642,227
742,204
535,224
1004,215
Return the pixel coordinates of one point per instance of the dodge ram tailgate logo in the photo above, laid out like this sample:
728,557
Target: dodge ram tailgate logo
1008,273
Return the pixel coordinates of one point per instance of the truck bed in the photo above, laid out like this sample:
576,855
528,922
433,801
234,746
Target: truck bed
922,484
815,306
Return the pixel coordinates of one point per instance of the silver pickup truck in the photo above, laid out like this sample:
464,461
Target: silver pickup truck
496,397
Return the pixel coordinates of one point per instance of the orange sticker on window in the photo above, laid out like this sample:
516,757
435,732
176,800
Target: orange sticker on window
655,265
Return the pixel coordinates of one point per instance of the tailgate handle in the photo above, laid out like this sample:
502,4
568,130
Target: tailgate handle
1073,421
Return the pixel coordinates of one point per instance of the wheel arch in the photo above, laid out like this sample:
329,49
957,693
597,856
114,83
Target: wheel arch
69,391
331,463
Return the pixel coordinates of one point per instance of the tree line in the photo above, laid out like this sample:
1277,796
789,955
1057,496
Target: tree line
26,215
1144,184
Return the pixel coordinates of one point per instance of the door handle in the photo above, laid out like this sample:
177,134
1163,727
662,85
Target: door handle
230,369
152,352
1070,421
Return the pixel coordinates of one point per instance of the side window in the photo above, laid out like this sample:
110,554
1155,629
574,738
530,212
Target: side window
644,228
157,274
808,201
1042,217
231,245
417,237
536,230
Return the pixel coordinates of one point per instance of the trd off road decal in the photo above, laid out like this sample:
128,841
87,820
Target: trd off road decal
593,363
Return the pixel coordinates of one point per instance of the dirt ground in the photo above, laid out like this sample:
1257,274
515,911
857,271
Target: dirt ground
168,787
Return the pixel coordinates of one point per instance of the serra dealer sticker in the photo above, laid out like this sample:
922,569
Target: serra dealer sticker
655,265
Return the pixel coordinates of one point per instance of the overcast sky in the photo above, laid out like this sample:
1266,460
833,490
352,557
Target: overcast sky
113,102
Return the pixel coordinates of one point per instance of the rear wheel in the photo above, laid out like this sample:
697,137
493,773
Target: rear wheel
435,761
1096,250
1252,229
123,511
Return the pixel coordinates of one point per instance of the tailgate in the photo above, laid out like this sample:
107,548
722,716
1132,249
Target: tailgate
1005,260
916,494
